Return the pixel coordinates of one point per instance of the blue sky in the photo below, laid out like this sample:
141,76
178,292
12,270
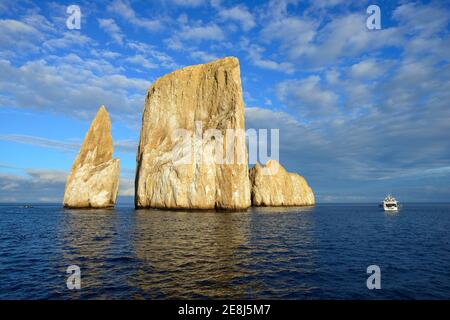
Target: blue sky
361,112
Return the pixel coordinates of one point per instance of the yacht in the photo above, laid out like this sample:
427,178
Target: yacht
390,204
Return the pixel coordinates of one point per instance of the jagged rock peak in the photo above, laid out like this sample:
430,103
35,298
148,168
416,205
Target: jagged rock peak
93,181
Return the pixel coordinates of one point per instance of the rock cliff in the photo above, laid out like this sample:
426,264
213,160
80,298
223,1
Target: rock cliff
93,181
186,157
272,185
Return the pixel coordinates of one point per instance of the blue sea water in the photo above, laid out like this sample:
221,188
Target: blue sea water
272,253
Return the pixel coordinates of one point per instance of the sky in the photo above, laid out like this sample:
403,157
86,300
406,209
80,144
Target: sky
361,112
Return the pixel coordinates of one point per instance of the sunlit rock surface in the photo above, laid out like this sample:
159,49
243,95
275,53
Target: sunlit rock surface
93,181
195,98
272,185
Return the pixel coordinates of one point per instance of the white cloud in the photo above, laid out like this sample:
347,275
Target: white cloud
68,40
34,33
124,9
267,102
345,36
141,61
126,187
113,30
368,69
240,14
293,33
45,185
39,22
17,35
277,9
414,84
41,185
309,43
41,142
423,19
332,76
270,64
72,88
255,56
108,54
146,50
188,3
190,36
73,145
3,7
203,56
199,33
309,97
327,3
48,176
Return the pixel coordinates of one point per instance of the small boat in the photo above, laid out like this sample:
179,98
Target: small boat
27,206
390,204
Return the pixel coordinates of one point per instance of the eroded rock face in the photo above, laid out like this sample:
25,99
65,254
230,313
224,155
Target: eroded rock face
93,181
272,185
177,173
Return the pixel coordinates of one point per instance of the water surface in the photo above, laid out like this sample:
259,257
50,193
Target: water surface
274,253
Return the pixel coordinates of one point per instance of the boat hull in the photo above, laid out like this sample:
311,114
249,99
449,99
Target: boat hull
390,208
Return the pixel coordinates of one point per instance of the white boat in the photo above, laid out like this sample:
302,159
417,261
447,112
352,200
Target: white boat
390,204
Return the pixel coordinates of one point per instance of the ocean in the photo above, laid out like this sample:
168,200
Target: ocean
320,252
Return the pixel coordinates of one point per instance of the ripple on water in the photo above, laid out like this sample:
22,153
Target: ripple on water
289,253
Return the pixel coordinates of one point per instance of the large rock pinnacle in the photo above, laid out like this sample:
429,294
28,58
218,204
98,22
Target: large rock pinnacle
187,116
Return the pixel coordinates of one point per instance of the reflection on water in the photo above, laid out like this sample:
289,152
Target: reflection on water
275,210
86,242
153,254
212,254
191,253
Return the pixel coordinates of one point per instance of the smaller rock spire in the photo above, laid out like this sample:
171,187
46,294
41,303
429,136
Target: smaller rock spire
93,181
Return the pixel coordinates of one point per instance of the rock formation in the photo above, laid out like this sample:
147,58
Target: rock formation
184,136
272,185
93,181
